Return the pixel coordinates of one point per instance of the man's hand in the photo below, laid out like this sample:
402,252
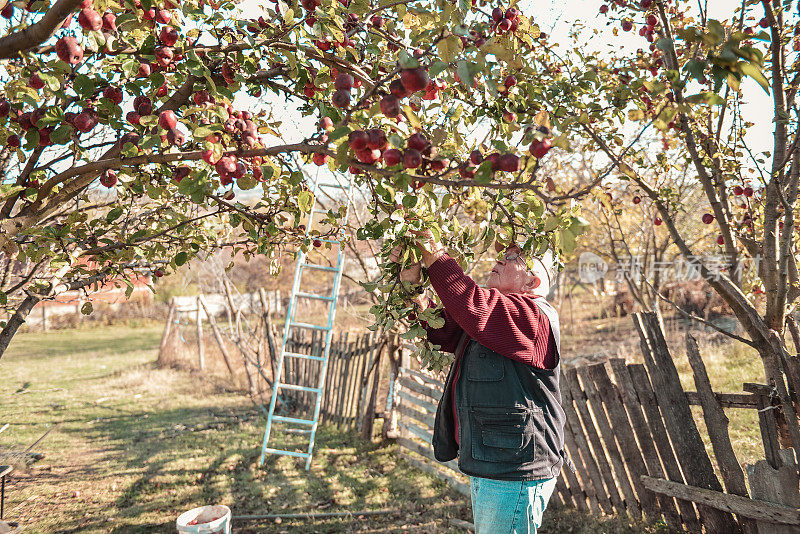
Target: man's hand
412,273
431,249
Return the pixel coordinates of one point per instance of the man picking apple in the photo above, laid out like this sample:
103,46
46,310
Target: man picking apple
501,409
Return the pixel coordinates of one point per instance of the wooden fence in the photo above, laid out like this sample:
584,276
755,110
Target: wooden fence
351,381
417,396
636,447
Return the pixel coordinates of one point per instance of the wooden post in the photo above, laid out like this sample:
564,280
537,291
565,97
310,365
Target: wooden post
717,425
778,486
369,413
686,440
167,331
201,350
217,336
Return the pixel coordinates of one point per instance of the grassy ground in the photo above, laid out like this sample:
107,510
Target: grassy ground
133,446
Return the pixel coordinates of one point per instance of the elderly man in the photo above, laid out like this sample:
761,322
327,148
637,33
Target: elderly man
501,409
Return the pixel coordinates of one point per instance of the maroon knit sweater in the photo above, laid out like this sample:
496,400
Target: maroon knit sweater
510,325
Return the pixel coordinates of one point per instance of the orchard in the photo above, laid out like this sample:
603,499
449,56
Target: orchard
124,149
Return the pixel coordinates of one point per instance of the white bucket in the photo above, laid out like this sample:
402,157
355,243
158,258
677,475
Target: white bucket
215,519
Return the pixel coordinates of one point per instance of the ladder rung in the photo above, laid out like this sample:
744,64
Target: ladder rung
297,430
319,267
304,356
313,296
299,388
312,326
292,420
287,453
334,186
334,241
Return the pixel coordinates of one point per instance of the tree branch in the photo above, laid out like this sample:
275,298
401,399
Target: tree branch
39,32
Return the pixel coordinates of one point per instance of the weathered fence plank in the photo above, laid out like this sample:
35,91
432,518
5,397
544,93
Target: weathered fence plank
623,433
733,504
778,486
589,473
576,489
604,427
631,402
717,426
647,398
679,421
422,417
598,453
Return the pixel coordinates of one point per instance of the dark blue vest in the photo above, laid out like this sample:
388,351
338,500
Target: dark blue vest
510,419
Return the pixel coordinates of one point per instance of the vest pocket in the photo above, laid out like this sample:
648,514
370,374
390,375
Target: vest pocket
484,365
502,434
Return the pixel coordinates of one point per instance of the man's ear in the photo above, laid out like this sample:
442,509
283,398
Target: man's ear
532,283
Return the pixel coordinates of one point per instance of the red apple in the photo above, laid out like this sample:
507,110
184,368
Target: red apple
168,36
68,50
113,93
414,79
167,119
89,19
707,218
417,141
540,148
358,139
109,21
657,221
343,82
163,16
341,98
508,163
144,70
627,25
398,89
209,157
412,158
720,240
510,81
738,190
225,165
392,157
376,139
497,14
637,199
164,55
748,191
319,159
368,155
109,178
476,157
390,106
35,82
326,124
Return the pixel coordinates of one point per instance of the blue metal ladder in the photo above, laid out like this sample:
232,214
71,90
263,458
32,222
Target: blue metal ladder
308,426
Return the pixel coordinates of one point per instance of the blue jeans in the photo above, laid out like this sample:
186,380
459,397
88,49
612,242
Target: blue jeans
509,506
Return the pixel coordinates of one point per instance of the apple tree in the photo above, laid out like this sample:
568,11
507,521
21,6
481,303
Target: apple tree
123,147
689,82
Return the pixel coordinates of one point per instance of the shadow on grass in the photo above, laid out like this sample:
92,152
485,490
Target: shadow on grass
183,458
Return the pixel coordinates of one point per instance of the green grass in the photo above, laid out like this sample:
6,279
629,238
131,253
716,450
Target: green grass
134,446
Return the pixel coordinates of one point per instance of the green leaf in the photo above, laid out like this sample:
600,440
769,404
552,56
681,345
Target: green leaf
338,133
436,68
449,48
87,308
410,201
707,97
180,258
305,200
749,69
